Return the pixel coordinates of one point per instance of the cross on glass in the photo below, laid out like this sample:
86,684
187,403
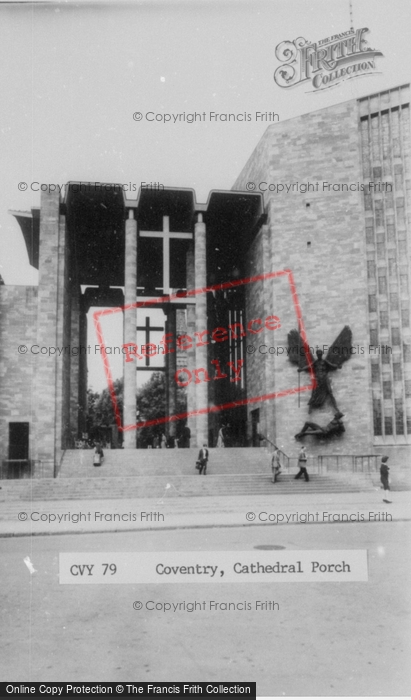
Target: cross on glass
166,235
147,328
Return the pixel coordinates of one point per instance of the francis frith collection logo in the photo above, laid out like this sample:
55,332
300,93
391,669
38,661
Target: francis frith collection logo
325,63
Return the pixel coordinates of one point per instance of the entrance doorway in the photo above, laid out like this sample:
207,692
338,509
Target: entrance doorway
18,441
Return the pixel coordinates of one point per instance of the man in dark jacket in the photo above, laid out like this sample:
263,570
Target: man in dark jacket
384,476
203,459
302,463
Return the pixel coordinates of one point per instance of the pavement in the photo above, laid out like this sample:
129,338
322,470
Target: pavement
23,518
339,639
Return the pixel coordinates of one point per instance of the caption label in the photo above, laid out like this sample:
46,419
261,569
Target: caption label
203,567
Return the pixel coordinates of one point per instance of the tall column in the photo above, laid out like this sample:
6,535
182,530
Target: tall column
171,367
201,326
82,379
130,325
46,370
63,339
75,360
191,360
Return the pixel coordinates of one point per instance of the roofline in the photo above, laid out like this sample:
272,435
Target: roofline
135,203
336,104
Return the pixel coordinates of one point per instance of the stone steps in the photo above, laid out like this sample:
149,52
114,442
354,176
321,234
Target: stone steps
78,463
173,487
157,473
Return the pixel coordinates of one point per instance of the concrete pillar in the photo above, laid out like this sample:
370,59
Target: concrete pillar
130,324
191,353
63,340
171,367
47,334
201,325
75,360
82,380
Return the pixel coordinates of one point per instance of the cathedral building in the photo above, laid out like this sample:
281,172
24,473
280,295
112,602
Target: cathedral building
313,238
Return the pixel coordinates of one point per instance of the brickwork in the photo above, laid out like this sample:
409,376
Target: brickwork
385,146
18,313
319,236
62,340
48,332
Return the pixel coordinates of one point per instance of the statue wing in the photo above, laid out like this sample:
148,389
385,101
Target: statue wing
339,351
296,353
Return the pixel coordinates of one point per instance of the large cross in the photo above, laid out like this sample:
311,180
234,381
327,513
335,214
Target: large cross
166,235
147,328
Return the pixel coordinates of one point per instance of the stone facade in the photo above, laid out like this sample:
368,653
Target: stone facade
18,328
320,235
345,247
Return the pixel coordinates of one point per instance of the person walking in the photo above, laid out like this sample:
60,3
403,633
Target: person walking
384,476
203,459
276,464
302,463
220,440
98,454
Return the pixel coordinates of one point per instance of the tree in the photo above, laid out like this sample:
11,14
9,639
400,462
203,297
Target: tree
151,405
100,408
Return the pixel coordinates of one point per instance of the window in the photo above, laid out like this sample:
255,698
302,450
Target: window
377,417
384,315
375,373
399,417
397,371
396,336
379,213
369,234
374,336
382,282
405,314
371,269
406,352
390,232
388,425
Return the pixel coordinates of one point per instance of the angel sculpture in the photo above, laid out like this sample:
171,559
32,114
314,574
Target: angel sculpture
337,354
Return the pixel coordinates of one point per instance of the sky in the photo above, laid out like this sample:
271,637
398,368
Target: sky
73,75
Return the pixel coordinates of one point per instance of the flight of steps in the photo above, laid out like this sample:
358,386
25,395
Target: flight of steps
79,463
171,474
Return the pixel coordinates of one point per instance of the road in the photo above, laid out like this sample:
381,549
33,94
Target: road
325,638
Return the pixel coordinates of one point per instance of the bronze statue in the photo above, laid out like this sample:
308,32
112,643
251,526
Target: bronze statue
334,427
338,353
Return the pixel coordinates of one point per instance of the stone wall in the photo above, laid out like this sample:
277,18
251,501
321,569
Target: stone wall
319,235
18,327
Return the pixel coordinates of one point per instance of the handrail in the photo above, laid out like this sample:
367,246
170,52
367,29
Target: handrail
284,454
357,462
362,462
58,468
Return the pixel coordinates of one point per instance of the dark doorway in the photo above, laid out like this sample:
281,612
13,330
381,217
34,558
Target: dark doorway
19,441
255,421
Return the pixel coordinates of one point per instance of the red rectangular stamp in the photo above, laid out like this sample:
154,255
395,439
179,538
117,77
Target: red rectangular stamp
235,345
